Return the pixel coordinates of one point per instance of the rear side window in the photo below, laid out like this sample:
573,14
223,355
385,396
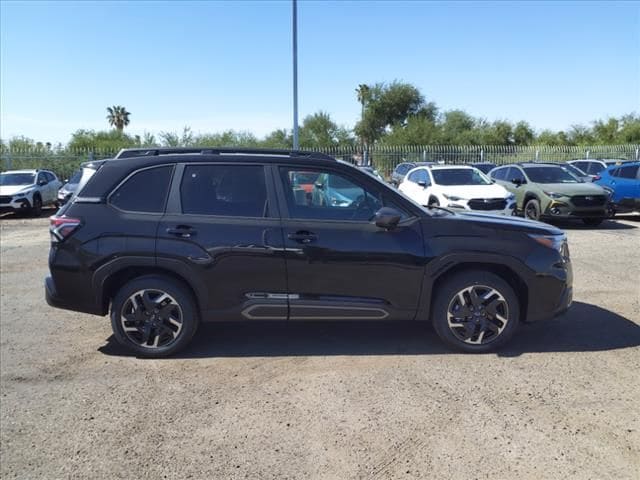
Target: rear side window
225,190
144,191
499,173
594,168
419,176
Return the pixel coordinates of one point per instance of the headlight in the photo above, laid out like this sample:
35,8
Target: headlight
453,198
20,195
555,242
555,195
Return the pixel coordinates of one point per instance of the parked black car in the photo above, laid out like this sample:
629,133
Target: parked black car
401,170
168,240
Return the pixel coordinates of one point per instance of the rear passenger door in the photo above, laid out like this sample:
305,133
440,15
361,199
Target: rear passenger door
624,181
222,229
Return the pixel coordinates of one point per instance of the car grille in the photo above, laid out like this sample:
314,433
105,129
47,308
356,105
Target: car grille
487,204
589,200
5,199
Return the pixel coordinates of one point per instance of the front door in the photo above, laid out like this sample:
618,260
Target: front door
340,265
222,226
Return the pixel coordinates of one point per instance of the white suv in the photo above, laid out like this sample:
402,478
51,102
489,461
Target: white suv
457,187
28,190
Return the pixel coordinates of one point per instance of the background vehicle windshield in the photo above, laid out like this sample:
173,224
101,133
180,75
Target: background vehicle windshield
459,176
574,170
17,178
550,175
76,177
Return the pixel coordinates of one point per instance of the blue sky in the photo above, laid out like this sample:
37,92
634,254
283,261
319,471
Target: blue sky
227,65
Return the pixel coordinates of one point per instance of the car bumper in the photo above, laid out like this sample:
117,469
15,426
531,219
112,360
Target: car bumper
561,210
508,211
16,205
627,205
53,299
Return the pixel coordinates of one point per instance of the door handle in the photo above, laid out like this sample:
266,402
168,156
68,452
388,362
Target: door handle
303,237
183,231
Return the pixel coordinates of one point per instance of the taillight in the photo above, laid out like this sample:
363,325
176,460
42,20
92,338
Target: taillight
61,227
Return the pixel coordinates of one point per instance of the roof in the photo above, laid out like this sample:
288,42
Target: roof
227,152
27,170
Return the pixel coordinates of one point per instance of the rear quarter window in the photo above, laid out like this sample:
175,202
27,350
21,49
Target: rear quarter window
144,191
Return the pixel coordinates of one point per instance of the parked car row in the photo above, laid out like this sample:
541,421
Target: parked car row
536,190
28,190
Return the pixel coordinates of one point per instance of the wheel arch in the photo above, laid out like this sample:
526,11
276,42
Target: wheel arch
507,272
113,280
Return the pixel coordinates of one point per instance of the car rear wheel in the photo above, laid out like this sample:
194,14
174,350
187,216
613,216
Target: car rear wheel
475,311
154,316
592,222
532,209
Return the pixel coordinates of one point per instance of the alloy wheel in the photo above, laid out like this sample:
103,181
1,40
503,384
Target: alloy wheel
478,314
151,318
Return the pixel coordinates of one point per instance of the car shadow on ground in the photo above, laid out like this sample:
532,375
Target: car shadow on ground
584,328
606,225
45,213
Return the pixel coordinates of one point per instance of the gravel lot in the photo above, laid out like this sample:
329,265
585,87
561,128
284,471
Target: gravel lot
324,400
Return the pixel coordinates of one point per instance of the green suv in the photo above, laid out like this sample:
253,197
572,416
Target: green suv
548,191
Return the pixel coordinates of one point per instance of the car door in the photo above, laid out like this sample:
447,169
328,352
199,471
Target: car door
416,186
52,187
222,229
517,178
625,183
340,265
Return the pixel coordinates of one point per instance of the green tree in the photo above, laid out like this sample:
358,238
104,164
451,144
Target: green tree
101,142
118,117
523,134
388,105
320,131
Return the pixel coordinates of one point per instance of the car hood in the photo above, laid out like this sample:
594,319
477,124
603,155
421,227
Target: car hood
572,188
13,189
475,191
474,222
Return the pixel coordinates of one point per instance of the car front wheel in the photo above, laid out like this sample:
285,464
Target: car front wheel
154,316
475,311
532,209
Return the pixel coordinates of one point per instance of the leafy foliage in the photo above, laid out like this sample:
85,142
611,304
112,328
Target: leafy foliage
118,117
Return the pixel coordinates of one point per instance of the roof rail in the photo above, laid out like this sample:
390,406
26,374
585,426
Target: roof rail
153,151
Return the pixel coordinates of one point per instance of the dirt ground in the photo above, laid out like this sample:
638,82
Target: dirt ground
324,400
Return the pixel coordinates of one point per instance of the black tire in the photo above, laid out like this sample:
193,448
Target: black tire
504,304
532,209
145,320
434,202
611,211
36,208
592,222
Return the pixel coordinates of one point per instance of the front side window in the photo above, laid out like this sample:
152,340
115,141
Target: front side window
333,196
516,174
628,172
145,191
226,190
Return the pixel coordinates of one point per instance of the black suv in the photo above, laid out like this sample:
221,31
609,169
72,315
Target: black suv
175,237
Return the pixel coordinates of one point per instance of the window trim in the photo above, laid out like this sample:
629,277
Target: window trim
284,205
174,204
126,179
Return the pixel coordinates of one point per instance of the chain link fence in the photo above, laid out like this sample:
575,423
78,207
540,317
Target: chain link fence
384,158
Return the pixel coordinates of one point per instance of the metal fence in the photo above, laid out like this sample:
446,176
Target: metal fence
382,157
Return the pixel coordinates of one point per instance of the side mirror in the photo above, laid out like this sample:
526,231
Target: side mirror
319,186
387,218
42,182
422,183
517,181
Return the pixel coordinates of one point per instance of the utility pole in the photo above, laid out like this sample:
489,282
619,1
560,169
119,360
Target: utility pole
296,144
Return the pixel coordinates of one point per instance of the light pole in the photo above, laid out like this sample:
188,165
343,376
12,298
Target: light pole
295,75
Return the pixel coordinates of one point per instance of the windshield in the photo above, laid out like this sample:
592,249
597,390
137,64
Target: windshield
76,177
549,175
574,170
459,176
15,179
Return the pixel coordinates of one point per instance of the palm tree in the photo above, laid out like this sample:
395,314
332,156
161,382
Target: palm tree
118,117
